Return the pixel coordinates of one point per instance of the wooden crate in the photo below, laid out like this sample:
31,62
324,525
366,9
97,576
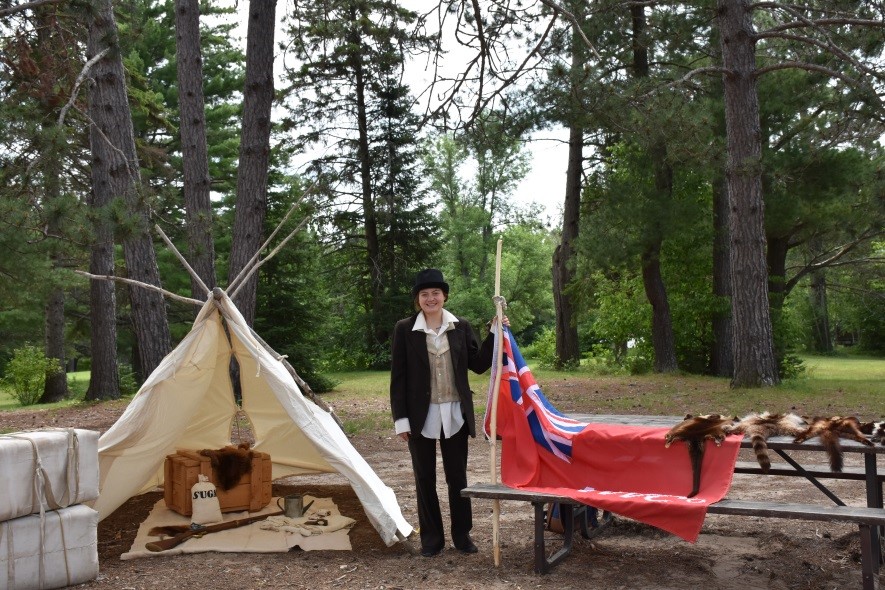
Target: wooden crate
252,493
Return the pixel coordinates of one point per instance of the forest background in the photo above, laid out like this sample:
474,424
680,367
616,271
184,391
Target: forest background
722,210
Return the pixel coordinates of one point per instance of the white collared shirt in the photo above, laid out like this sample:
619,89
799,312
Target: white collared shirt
445,417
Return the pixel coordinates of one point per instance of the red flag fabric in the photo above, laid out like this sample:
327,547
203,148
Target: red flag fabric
623,469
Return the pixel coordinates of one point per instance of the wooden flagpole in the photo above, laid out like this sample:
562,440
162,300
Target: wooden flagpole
493,427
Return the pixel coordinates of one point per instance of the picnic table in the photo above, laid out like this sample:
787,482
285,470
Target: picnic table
811,464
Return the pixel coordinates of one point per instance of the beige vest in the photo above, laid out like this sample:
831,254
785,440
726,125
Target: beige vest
442,373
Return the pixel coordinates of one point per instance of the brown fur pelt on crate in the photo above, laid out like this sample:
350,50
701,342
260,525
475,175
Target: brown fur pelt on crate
230,464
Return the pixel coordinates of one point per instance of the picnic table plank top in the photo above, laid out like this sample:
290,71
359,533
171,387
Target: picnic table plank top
775,442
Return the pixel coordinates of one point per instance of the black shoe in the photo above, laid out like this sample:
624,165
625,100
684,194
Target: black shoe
467,547
430,552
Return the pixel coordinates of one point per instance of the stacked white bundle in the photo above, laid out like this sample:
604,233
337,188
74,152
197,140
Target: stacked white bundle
48,538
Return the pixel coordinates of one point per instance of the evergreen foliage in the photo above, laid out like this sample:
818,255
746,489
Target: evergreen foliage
388,202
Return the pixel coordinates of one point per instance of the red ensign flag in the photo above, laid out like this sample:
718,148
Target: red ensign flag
623,469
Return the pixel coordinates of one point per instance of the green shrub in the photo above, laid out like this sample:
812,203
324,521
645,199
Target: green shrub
543,350
128,382
26,373
791,367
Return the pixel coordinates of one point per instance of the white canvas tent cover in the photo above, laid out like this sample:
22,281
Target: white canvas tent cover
188,403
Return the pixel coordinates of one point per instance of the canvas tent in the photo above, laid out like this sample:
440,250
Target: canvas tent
188,403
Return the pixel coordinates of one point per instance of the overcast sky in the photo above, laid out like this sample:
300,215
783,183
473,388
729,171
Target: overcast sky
544,184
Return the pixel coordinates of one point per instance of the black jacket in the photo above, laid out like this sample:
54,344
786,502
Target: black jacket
410,370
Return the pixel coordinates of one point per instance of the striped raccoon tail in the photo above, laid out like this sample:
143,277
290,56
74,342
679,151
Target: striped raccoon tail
830,440
760,447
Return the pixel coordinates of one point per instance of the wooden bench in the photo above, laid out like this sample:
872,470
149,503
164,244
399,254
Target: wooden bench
818,471
867,519
570,510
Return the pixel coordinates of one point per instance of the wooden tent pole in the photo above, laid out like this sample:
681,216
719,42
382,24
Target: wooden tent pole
251,263
181,259
256,265
493,429
168,294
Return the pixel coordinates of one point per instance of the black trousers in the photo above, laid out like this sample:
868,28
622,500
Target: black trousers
454,457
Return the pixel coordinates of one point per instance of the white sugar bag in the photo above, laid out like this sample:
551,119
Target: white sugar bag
52,467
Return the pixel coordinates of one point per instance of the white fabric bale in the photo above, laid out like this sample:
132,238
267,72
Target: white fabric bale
49,468
69,554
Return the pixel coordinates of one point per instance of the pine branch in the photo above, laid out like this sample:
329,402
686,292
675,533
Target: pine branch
27,6
570,16
801,65
80,79
833,259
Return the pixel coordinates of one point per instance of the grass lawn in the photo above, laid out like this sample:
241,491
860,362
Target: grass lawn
830,385
835,385
77,384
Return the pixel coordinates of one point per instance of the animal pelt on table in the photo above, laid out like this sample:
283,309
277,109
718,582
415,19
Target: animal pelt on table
695,431
876,430
759,427
830,430
230,464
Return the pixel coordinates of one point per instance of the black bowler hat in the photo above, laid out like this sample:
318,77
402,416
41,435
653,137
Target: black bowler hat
430,278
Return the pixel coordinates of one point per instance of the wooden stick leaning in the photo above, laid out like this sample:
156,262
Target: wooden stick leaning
183,261
493,426
249,267
176,540
168,294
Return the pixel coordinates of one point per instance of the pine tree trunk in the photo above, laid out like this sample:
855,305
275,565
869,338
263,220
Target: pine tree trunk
662,338
103,380
776,260
823,338
56,387
116,174
567,347
720,354
195,159
754,360
661,323
251,204
377,334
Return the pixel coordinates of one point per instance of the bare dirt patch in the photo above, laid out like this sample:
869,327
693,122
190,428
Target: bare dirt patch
732,552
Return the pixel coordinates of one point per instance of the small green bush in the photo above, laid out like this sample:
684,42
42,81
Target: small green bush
26,373
128,382
791,367
543,349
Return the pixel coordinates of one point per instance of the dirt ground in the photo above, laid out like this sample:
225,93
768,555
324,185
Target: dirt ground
732,552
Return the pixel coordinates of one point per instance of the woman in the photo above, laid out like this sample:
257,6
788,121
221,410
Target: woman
431,400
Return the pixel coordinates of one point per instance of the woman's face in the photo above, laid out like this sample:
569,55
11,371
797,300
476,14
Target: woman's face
432,300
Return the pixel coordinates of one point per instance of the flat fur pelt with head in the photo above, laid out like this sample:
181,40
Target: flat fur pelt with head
876,430
230,464
759,427
830,430
695,431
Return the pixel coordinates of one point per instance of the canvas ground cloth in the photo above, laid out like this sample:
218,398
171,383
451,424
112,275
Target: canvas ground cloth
251,538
